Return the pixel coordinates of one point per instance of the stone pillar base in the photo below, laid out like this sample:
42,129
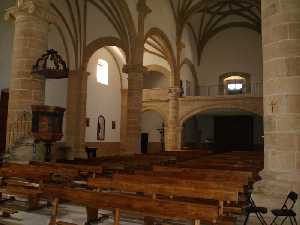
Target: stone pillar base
273,189
270,202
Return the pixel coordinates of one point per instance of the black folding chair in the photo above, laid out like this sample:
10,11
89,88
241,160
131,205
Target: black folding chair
286,210
252,208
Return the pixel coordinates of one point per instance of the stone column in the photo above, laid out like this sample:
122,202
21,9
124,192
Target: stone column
281,58
76,113
134,107
30,42
123,124
172,128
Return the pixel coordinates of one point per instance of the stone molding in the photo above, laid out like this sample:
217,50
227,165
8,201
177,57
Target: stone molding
142,8
174,92
134,68
30,8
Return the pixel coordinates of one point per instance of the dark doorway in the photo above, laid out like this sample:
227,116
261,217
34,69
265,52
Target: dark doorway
144,143
234,132
3,120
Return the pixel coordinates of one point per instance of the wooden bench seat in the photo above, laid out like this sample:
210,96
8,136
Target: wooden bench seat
82,169
228,180
153,207
33,195
25,180
242,176
165,188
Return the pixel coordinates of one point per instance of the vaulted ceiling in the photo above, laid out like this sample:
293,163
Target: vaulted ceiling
206,18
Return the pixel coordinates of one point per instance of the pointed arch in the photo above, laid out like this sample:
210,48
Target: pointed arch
164,49
100,43
192,68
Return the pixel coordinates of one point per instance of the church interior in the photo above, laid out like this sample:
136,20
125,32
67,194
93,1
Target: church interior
155,112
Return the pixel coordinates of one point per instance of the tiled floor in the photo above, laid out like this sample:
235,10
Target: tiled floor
68,213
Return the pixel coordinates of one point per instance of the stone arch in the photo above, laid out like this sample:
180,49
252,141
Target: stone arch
192,68
157,110
117,64
225,107
101,43
166,49
159,68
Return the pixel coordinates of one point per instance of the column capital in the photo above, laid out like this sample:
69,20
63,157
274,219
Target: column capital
174,92
134,68
142,8
30,8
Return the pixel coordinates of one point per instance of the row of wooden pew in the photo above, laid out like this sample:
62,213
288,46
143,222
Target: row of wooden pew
201,187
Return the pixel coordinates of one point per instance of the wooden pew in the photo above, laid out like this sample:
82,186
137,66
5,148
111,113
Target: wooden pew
26,180
241,176
120,163
209,179
170,187
81,169
162,208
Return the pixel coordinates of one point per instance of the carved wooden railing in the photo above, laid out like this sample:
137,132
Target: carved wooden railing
19,130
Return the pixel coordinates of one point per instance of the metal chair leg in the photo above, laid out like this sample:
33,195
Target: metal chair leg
295,220
284,220
246,220
273,221
261,219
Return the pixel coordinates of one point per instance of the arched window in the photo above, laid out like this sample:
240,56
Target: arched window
234,83
102,72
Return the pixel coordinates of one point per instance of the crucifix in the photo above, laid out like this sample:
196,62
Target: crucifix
273,104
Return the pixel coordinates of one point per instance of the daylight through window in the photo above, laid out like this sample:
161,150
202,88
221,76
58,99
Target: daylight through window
102,72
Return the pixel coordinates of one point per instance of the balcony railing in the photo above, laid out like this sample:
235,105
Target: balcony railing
155,94
254,89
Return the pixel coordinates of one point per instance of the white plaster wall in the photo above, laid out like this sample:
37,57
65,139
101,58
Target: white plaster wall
189,50
162,17
6,43
56,92
103,100
233,50
150,59
98,25
151,121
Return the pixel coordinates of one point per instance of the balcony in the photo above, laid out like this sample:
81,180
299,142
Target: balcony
254,90
155,94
